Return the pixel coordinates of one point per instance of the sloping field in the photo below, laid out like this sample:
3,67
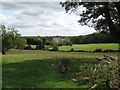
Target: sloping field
91,47
39,69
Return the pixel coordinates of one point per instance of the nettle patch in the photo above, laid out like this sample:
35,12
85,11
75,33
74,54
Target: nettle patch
105,74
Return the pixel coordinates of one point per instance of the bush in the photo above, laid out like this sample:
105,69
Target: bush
39,47
55,48
98,50
28,47
46,48
72,49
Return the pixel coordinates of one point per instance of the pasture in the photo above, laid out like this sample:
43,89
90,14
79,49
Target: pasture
91,47
39,69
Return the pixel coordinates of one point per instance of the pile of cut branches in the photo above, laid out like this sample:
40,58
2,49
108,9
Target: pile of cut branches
63,66
105,74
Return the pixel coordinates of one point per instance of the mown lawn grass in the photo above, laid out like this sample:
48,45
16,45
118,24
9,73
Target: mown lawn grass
39,69
91,47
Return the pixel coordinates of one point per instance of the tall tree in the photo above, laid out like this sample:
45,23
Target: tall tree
103,16
11,39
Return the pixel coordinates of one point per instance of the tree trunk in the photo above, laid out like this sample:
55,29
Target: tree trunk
107,83
119,54
109,20
3,52
114,32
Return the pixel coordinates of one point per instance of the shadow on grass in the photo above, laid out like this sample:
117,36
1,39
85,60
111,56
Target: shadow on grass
42,73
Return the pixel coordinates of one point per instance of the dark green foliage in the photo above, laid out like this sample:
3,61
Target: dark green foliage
93,38
103,16
72,49
70,40
55,47
21,43
28,47
37,40
37,47
34,41
40,46
11,39
98,50
67,42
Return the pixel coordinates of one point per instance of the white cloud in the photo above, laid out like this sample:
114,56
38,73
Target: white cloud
42,19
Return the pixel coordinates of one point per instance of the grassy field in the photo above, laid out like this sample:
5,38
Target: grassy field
90,47
39,69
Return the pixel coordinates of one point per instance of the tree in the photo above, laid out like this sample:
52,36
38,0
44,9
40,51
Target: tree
40,46
55,47
21,42
103,16
28,47
11,39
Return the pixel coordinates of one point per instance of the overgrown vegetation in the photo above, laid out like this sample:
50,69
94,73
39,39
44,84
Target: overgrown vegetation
103,75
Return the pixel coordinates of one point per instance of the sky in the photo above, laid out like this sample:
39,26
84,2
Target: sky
42,19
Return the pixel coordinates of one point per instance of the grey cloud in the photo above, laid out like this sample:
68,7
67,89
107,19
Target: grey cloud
21,26
32,8
40,18
31,13
48,5
44,25
21,5
10,6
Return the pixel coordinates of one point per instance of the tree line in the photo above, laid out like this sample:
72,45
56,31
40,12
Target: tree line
12,39
93,38
69,40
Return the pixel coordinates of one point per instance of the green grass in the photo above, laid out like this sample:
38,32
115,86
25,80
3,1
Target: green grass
90,47
39,69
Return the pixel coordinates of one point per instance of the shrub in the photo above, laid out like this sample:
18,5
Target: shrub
98,50
40,47
37,47
46,48
55,48
72,49
28,47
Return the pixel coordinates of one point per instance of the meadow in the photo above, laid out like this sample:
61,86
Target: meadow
91,47
85,47
39,69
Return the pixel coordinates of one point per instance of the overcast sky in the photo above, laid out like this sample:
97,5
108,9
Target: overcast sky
42,18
